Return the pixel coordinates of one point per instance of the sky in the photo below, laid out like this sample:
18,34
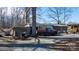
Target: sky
75,15
73,18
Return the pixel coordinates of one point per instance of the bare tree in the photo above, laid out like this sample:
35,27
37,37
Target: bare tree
3,16
28,14
59,14
40,13
16,16
66,14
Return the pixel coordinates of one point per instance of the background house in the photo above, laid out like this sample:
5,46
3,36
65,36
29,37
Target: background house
60,28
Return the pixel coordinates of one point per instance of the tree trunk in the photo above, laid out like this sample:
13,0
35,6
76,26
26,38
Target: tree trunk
33,21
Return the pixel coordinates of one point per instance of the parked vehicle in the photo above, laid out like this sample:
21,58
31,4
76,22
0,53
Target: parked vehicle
49,31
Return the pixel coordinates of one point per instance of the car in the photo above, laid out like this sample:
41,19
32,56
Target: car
48,31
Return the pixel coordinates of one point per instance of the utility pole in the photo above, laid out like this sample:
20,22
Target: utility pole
33,21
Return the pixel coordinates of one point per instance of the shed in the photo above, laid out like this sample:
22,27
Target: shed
17,31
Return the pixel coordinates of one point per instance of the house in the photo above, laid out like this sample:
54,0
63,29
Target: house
60,28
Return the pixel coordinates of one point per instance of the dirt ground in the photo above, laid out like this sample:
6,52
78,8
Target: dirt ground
9,44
